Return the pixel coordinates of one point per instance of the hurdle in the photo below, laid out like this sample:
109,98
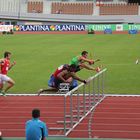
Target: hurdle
80,101
64,88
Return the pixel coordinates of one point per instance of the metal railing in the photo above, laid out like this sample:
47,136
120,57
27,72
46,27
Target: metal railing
80,101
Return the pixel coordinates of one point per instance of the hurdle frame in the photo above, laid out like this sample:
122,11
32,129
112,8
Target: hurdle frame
81,104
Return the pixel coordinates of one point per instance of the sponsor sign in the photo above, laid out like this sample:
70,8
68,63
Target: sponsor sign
119,27
107,31
133,31
102,27
49,27
134,27
6,28
114,27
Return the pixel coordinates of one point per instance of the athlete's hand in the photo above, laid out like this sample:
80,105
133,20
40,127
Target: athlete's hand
84,81
97,60
98,69
1,61
91,62
13,63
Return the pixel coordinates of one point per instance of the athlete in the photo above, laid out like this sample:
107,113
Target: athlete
80,60
5,66
66,76
63,74
58,70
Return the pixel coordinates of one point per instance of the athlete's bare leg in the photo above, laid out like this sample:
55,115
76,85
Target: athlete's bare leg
47,90
1,86
11,83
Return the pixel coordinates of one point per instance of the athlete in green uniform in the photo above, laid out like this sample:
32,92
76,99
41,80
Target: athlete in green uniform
80,60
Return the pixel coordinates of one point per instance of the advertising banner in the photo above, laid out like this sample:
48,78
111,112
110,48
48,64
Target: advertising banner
102,27
133,26
114,27
6,28
79,27
133,31
107,31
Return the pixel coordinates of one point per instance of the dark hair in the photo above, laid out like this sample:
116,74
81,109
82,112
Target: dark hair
35,113
72,68
65,66
6,54
84,52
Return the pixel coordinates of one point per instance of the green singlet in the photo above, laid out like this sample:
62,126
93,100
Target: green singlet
75,61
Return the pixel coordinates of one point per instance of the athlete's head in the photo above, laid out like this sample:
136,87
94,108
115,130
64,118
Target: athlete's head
84,54
36,113
72,68
65,66
7,54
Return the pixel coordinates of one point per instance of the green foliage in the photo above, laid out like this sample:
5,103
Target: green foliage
37,56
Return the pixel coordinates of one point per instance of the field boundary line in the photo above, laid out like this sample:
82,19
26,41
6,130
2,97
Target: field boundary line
56,94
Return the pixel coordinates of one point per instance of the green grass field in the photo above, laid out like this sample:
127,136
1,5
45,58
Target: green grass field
37,56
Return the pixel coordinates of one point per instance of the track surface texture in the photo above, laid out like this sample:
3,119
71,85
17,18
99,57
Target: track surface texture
114,117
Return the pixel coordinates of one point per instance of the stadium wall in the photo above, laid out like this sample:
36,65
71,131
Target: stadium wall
84,19
16,10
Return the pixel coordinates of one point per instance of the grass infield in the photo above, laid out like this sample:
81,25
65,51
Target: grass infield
37,56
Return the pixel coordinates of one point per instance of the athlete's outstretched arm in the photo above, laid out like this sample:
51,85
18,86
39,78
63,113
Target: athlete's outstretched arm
12,65
1,61
86,59
61,75
87,67
74,76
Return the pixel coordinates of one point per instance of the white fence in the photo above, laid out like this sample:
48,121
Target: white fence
80,101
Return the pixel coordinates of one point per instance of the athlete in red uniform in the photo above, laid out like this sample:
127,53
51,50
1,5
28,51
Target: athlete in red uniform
60,69
63,74
5,66
66,76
